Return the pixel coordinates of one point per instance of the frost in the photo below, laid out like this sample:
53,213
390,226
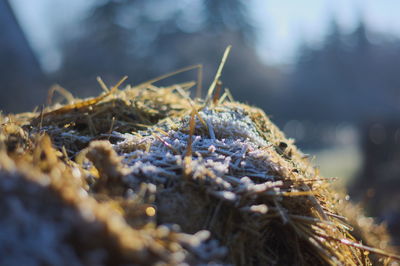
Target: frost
232,124
228,156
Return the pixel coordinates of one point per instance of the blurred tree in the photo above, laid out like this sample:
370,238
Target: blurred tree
228,15
21,78
101,46
107,37
333,42
348,75
145,39
228,22
360,37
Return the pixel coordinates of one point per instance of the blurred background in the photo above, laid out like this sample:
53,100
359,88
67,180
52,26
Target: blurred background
327,72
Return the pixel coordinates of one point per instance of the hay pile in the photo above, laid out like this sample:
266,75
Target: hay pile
146,176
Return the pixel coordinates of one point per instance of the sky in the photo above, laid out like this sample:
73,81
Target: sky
282,24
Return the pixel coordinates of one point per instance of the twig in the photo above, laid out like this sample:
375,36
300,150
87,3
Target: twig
347,242
188,154
102,84
111,127
199,81
217,75
169,146
151,81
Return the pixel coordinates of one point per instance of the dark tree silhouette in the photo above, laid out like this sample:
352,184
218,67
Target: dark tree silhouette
139,39
102,47
21,78
228,15
347,79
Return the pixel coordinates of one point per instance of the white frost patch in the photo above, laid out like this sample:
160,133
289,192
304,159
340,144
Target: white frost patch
74,135
147,168
232,124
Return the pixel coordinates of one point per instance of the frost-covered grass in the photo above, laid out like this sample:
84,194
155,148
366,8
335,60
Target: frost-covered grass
228,155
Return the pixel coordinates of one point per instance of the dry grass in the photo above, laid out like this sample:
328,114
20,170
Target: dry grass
121,168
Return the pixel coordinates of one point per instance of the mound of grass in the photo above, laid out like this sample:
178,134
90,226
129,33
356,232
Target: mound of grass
147,175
